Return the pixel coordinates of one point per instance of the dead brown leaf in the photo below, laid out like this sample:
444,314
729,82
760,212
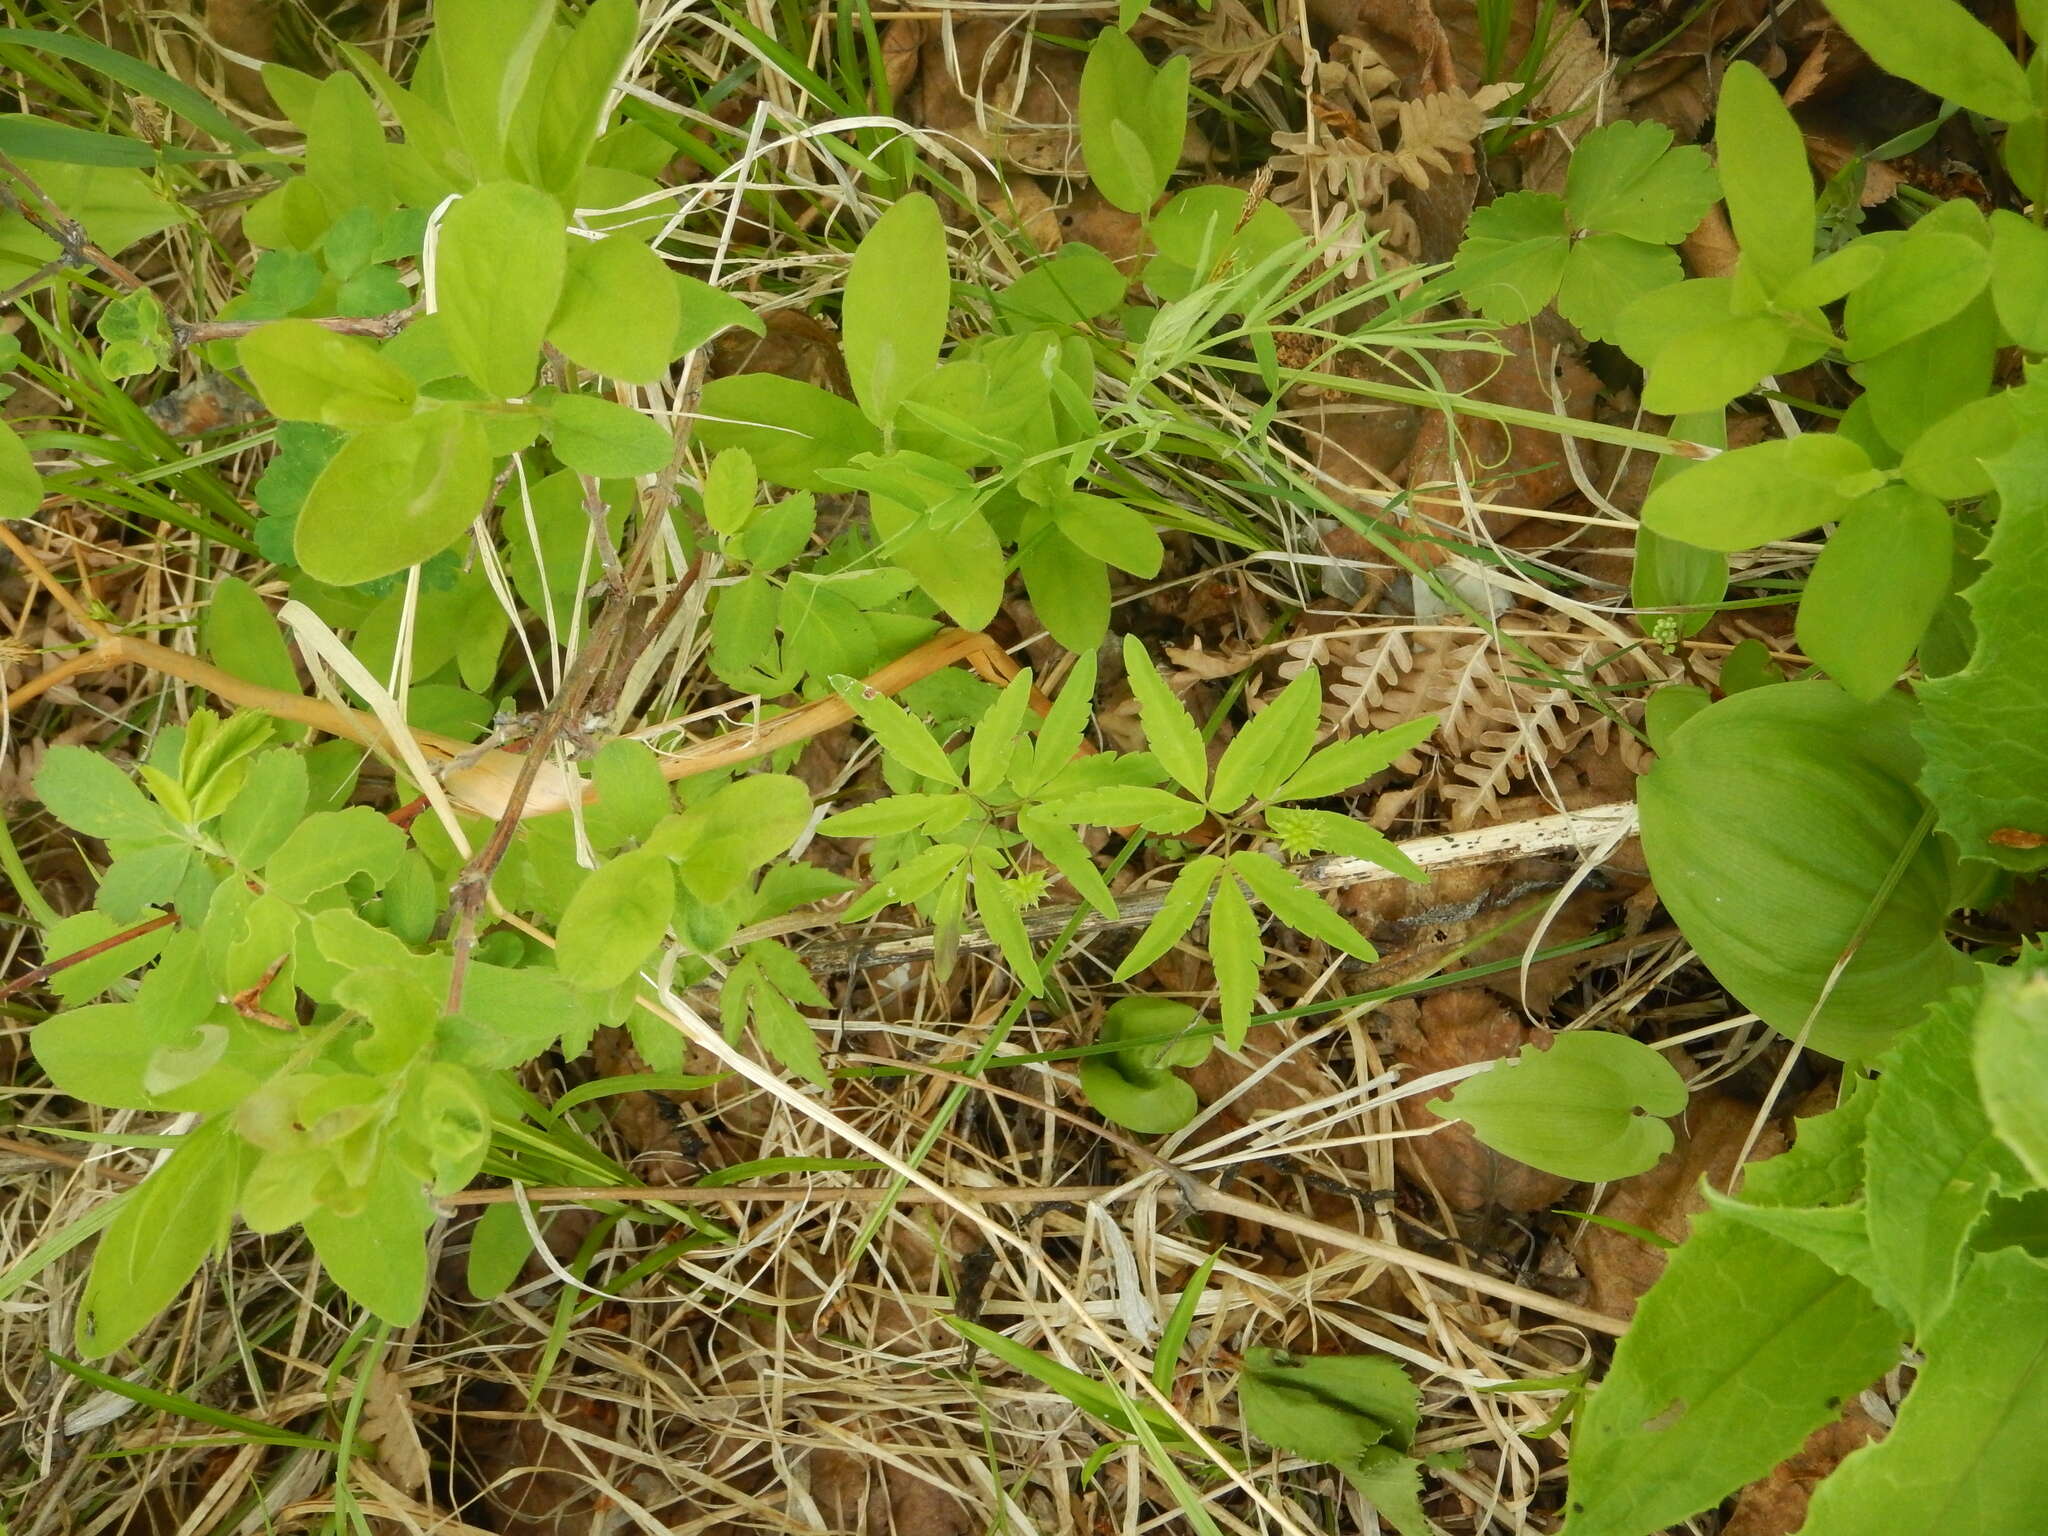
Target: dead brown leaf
1776,1505
1459,1028
1620,1268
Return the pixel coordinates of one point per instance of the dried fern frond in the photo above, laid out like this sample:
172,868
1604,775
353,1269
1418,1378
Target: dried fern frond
1499,729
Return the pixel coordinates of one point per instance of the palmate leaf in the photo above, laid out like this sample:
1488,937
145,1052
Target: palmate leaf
1513,256
1272,746
1170,731
1627,179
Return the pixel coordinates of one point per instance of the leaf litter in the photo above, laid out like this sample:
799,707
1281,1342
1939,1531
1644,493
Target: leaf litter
748,1373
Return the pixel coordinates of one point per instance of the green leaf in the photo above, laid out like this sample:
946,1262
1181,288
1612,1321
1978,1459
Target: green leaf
901,735
498,1249
1331,832
1985,728
1133,120
730,489
1875,587
595,436
1932,1160
996,905
572,103
90,795
305,372
897,813
1513,256
1170,731
1125,805
1349,763
330,849
239,633
1076,284
1069,589
1927,278
790,429
1948,460
378,1254
1705,369
1604,274
735,830
347,160
1109,530
1591,1108
272,802
1134,1087
1764,177
779,533
1745,1346
1750,496
1812,1196
486,51
2019,278
500,260
1916,385
1177,914
897,299
1771,824
1276,741
1329,1408
1626,179
618,311
162,1234
1297,906
1940,46
960,567
394,496
994,742
616,920
21,488
1656,320
1065,851
1238,956
632,796
705,312
2011,1058
1963,1455
1061,732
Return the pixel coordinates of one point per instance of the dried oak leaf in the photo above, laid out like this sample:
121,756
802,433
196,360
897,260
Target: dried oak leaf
1776,1505
1619,1268
1460,1028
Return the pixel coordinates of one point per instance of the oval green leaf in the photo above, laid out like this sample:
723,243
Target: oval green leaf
1771,827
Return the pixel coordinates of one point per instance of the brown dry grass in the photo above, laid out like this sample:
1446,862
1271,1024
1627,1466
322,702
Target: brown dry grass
753,1375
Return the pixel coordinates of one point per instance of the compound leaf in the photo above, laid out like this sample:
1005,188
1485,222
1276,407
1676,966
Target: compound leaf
1626,179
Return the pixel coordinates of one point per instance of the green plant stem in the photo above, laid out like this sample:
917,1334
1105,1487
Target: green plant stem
23,882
